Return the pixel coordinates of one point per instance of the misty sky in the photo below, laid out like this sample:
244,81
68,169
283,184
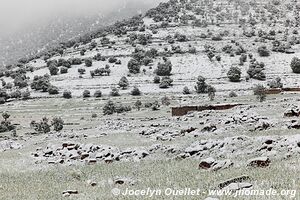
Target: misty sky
16,14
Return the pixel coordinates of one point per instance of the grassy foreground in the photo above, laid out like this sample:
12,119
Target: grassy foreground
50,183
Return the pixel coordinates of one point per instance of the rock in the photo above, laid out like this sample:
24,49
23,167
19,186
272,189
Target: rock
209,127
69,192
239,179
222,164
292,112
124,180
91,183
215,165
207,163
91,161
237,186
211,198
259,162
262,125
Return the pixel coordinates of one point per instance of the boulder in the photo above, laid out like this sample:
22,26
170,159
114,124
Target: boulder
259,162
239,179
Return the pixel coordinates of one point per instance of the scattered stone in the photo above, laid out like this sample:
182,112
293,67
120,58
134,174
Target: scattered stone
124,180
207,163
91,183
239,179
259,162
292,112
209,127
237,186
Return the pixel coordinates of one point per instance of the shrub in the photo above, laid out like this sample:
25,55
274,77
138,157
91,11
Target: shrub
63,70
156,80
6,125
164,69
135,91
26,95
165,101
20,81
201,85
234,74
81,71
86,94
211,91
57,123
53,90
232,94
16,94
260,92
112,60
255,71
88,62
295,65
67,94
53,70
155,106
138,104
134,66
276,83
42,126
165,82
123,83
109,108
186,90
114,92
263,51
97,93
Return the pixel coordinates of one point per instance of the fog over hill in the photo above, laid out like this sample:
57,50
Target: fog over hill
35,23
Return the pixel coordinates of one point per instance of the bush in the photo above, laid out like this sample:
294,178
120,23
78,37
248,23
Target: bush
260,92
123,83
112,60
88,62
165,82
97,93
135,91
186,90
63,70
81,71
42,126
114,92
26,95
53,70
20,81
67,94
295,65
234,74
255,71
134,66
201,85
53,90
211,91
165,101
57,123
232,94
276,83
138,104
109,108
155,106
156,80
263,51
164,69
86,94
6,125
16,94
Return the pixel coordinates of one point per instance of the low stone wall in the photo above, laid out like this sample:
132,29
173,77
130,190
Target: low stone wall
180,111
